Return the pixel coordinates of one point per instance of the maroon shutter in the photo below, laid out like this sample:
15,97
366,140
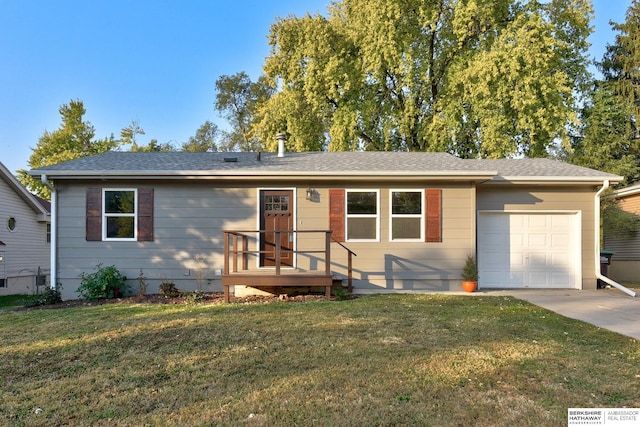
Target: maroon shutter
433,231
336,214
145,214
94,214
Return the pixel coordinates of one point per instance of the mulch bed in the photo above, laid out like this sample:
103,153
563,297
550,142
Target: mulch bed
204,298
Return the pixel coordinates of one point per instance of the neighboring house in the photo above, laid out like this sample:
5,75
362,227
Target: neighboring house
411,218
625,263
24,238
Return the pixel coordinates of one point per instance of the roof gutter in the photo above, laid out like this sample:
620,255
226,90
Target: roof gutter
53,281
599,274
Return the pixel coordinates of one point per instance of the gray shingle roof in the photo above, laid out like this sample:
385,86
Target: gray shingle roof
314,163
538,167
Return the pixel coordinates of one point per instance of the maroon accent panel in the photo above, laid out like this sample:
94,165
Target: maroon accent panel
433,232
94,214
145,214
336,213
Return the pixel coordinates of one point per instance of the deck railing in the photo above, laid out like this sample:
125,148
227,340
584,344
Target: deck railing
237,255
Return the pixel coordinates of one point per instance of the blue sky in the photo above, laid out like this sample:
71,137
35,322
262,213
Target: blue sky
153,62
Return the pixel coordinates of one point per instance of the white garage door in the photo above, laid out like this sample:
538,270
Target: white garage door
528,250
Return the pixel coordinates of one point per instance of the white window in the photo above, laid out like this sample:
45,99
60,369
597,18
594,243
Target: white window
363,215
119,217
407,215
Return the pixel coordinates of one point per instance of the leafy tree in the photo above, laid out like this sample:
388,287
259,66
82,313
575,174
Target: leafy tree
475,78
604,141
621,62
74,139
154,145
204,139
237,98
608,138
128,135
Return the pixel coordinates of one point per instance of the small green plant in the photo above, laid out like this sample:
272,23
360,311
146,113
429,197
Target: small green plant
169,290
48,297
195,297
200,271
142,285
105,282
470,269
341,294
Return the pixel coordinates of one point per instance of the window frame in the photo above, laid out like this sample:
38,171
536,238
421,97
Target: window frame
421,216
106,215
12,224
349,216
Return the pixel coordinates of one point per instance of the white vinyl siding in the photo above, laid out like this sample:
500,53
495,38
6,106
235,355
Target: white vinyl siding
25,250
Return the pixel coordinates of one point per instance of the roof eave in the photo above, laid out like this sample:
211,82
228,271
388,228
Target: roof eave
558,180
251,175
627,191
24,194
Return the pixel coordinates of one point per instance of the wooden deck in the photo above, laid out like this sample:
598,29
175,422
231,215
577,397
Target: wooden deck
237,272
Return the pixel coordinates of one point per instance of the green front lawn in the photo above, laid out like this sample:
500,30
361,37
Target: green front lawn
380,360
15,300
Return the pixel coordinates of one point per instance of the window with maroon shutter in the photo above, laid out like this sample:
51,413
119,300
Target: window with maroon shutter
336,214
433,232
114,214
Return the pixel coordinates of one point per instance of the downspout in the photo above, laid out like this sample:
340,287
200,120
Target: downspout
54,233
596,213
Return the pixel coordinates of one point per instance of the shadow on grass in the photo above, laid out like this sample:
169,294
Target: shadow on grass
386,359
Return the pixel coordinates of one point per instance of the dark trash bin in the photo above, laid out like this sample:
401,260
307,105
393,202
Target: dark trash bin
605,262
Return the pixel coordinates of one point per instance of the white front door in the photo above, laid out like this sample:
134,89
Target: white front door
529,250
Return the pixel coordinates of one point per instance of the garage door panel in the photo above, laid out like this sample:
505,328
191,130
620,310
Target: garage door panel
538,241
560,241
533,249
536,221
559,279
517,260
538,260
516,279
561,221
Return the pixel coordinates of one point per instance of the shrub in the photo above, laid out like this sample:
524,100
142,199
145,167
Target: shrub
48,297
169,290
105,282
470,269
195,297
341,294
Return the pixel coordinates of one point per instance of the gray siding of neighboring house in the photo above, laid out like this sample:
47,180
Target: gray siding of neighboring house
521,197
625,264
26,249
189,218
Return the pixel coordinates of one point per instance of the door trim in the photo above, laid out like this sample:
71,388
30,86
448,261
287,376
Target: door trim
294,215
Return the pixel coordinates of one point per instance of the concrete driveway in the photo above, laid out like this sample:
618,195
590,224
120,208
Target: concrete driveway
607,308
